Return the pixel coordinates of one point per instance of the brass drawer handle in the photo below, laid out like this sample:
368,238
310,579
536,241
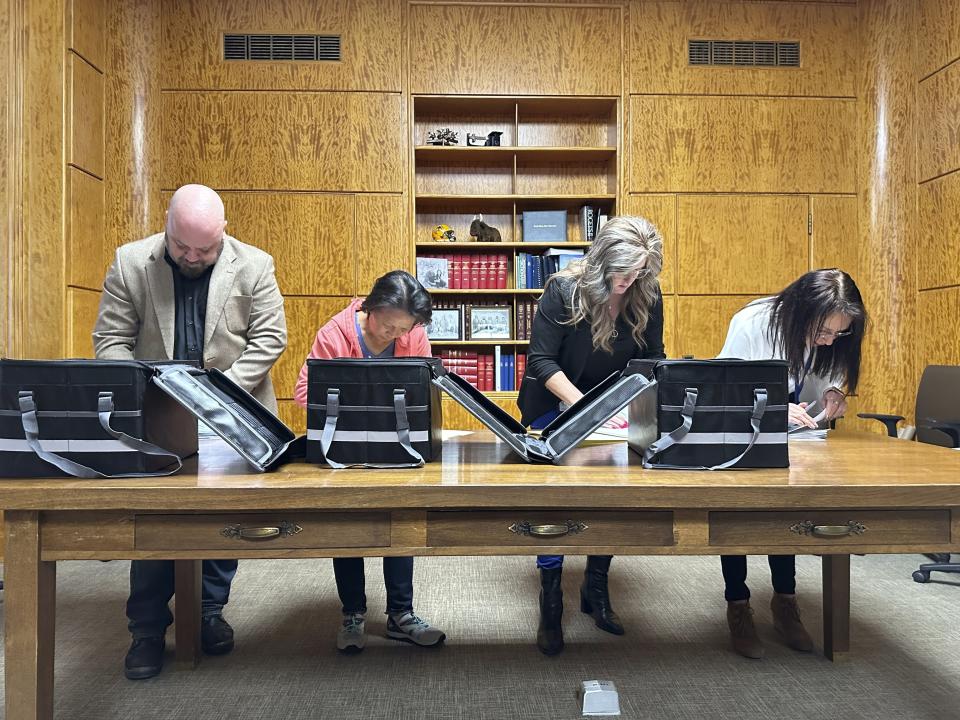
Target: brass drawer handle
809,528
548,530
238,532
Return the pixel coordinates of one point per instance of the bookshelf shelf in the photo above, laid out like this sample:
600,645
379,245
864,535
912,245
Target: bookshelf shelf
555,153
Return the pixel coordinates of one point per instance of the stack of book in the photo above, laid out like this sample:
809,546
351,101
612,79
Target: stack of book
467,271
591,220
499,371
526,309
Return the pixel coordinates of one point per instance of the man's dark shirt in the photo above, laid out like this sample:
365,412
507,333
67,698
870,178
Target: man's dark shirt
190,298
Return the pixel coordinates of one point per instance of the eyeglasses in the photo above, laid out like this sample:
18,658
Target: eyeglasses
832,335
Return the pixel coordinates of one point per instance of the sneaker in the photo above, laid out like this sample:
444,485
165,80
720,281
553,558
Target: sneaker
216,635
350,637
144,658
410,628
786,621
743,633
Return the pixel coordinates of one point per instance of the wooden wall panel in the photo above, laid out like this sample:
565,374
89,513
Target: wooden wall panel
305,315
661,210
86,257
938,114
284,141
670,342
938,238
937,312
86,116
740,244
659,32
456,418
741,144
9,150
82,306
133,121
86,29
702,323
835,233
510,50
938,35
311,237
372,53
888,260
292,415
381,238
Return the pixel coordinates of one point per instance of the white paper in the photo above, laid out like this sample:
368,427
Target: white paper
600,698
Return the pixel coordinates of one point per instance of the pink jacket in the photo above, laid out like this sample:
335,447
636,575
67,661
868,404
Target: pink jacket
338,339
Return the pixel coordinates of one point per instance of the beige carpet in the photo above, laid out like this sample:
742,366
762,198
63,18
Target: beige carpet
674,662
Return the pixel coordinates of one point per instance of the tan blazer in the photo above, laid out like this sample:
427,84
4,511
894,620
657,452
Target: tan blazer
245,332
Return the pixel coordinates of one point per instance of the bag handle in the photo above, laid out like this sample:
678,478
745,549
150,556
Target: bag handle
31,431
756,415
403,432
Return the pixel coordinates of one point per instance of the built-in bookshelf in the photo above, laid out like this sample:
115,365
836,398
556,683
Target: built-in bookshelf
555,154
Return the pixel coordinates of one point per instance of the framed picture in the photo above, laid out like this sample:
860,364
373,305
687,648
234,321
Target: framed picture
433,272
446,324
489,323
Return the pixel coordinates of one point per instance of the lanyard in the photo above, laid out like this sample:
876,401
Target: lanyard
799,381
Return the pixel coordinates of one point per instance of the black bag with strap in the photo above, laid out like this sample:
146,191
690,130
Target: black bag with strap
712,415
372,412
89,419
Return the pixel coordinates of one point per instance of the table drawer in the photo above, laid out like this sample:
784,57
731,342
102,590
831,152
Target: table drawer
532,528
830,527
292,530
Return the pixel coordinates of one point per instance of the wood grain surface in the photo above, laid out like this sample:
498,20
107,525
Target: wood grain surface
937,34
86,257
87,31
86,148
937,312
702,322
938,237
834,240
82,307
661,210
938,128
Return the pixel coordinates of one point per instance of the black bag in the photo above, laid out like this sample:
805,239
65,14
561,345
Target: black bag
89,419
231,412
372,413
712,415
565,431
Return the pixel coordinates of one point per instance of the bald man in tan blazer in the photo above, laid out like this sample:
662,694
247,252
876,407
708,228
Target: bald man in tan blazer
190,293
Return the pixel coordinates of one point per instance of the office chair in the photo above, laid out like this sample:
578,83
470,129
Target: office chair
938,423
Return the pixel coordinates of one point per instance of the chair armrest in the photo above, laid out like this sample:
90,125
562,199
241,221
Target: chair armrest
950,429
889,420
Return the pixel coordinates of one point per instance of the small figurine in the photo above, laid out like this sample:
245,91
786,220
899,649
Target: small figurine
493,139
482,232
475,140
443,233
442,136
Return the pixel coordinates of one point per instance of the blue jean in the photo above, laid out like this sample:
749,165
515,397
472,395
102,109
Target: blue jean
547,562
783,574
397,578
152,586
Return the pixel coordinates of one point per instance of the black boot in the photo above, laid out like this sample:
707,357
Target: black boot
594,598
550,632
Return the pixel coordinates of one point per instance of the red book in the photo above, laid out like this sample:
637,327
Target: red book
521,367
483,261
474,266
454,272
502,262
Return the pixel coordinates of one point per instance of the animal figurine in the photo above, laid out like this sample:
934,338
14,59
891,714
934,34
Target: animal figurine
483,232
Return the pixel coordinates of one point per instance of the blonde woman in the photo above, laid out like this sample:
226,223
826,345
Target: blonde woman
594,317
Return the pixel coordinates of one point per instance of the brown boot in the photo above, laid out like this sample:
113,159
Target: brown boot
743,633
786,621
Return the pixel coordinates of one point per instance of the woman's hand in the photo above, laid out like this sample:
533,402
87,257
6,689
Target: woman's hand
835,403
797,415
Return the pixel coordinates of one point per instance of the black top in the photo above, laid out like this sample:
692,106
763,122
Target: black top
190,300
556,346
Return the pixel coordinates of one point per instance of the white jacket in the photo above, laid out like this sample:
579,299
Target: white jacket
749,338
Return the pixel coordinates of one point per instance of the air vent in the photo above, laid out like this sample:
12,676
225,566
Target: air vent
743,53
301,48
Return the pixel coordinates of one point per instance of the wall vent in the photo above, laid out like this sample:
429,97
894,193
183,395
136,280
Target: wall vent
744,53
301,48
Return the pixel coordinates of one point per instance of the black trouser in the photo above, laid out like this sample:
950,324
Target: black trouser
783,574
397,578
151,587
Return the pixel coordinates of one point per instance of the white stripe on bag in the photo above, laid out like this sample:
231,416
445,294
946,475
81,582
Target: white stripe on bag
62,446
362,436
730,438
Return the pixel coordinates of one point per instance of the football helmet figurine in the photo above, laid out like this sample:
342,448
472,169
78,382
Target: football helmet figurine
443,233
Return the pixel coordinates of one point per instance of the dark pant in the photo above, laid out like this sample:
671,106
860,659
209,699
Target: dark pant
783,574
551,562
397,578
152,585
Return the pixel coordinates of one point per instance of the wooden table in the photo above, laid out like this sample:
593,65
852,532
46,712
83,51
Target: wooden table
851,494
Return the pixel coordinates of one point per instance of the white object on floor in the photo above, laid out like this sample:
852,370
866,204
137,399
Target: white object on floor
600,698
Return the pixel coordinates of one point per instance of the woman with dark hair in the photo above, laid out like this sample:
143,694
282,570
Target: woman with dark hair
816,324
388,323
595,316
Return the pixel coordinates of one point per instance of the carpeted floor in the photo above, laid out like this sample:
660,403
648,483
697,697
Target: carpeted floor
673,664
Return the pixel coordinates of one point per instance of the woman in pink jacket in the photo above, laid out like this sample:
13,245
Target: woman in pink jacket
388,323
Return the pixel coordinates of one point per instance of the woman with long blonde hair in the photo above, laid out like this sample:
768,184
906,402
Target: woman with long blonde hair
594,317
